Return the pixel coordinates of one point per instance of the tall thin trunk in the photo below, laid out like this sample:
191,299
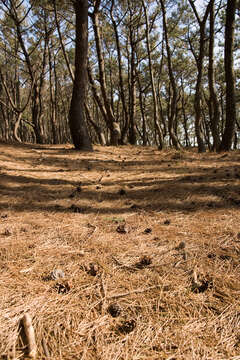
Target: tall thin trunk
172,114
120,76
198,90
102,78
132,88
229,130
214,106
142,108
52,100
156,116
187,142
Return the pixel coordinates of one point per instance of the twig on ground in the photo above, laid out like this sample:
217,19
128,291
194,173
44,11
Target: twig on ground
30,335
45,348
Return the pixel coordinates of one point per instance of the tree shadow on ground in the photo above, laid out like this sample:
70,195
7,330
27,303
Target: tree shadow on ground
150,183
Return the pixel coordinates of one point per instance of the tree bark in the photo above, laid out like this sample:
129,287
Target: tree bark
97,128
102,79
52,100
78,128
173,108
229,130
132,83
142,108
155,103
198,90
214,106
120,75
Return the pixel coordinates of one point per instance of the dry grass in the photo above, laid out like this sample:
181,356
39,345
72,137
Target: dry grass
155,234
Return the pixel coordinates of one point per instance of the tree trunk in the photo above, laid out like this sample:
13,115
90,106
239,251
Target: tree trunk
16,127
173,108
36,116
198,91
97,128
187,142
132,89
78,128
142,108
214,106
229,130
102,79
155,103
120,76
52,100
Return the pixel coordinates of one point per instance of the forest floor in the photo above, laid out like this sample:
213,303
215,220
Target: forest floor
146,245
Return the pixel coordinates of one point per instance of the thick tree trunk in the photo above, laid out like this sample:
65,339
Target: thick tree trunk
229,130
78,128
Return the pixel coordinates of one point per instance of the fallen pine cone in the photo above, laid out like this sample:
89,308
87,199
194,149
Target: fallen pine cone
127,326
114,310
143,262
92,269
63,287
121,229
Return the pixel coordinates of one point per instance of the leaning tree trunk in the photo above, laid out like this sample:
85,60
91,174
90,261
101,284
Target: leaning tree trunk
229,130
78,128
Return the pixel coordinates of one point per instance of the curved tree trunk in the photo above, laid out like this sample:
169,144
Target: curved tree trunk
16,127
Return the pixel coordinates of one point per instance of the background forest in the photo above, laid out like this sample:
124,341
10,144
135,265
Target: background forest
165,72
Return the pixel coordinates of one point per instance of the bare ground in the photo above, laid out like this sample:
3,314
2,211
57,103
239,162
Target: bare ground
149,243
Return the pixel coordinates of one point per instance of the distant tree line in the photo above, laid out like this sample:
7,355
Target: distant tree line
144,72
